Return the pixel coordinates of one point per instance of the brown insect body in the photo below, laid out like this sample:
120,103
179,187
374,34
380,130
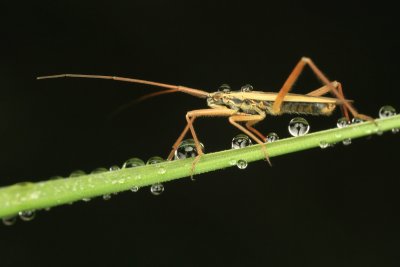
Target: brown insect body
261,103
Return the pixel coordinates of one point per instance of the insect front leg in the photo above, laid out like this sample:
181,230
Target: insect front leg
190,118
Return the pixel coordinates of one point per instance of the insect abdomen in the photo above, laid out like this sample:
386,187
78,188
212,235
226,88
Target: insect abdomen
307,108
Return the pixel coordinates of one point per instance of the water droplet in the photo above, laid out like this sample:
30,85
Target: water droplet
114,168
154,160
157,189
27,215
272,137
246,88
107,196
346,142
187,149
86,199
224,88
356,120
342,122
98,170
298,126
323,144
77,173
387,111
242,164
133,162
395,130
135,189
10,220
240,141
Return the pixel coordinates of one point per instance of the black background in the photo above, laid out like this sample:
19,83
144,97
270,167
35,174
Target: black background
332,207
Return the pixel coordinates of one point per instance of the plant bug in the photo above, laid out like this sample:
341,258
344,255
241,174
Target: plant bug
250,107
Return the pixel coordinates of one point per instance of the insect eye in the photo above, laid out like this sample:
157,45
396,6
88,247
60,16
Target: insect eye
246,88
224,88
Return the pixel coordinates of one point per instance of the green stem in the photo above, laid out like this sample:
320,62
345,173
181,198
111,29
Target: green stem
32,196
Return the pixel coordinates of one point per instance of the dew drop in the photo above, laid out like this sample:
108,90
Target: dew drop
346,142
154,160
225,88
246,88
395,130
114,168
242,164
135,189
323,144
98,170
10,220
387,111
107,196
157,189
133,162
356,120
77,173
342,122
240,141
298,126
187,149
271,137
86,199
27,215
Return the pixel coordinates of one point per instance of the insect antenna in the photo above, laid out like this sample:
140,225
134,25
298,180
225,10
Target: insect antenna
183,89
140,99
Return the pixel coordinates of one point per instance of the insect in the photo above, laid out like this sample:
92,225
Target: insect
246,107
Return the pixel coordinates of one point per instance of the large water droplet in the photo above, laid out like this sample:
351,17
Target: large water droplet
271,137
187,149
77,173
387,111
154,160
10,220
27,215
242,164
298,126
98,170
133,162
224,88
157,189
342,122
240,141
246,88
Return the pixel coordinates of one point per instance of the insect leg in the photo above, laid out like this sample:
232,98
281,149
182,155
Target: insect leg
247,118
287,86
249,125
190,117
326,89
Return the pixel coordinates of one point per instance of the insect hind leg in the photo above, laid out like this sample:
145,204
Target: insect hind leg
327,89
